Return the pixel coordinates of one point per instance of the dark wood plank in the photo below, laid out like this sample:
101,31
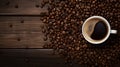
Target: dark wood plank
34,40
19,18
21,7
25,34
18,26
30,58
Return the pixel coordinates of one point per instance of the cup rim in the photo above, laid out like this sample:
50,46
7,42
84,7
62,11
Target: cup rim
100,41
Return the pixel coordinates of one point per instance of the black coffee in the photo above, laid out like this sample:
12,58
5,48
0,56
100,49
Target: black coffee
100,31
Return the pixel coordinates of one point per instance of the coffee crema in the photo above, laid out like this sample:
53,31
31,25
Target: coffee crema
100,31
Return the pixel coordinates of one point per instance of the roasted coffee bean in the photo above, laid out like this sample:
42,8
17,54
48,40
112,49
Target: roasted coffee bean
65,30
10,25
18,39
37,6
22,21
16,6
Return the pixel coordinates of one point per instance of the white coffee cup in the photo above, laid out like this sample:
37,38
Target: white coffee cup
88,27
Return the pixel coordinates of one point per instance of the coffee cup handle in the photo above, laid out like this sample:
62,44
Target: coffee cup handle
113,31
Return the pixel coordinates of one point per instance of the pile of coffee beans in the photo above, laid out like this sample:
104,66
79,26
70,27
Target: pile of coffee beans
63,24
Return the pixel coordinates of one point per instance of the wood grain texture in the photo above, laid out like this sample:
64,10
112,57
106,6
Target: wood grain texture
21,33
20,25
30,58
21,7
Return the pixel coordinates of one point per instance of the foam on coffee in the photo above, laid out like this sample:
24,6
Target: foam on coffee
95,30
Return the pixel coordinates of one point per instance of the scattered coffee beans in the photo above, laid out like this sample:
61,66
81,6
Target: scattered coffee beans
63,29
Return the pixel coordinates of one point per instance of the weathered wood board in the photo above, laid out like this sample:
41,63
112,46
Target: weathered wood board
21,7
29,58
20,24
28,34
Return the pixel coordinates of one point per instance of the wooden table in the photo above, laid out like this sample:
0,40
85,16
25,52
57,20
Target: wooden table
21,37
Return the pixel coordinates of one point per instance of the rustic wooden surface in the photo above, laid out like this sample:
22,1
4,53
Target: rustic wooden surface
23,7
20,25
30,58
21,33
